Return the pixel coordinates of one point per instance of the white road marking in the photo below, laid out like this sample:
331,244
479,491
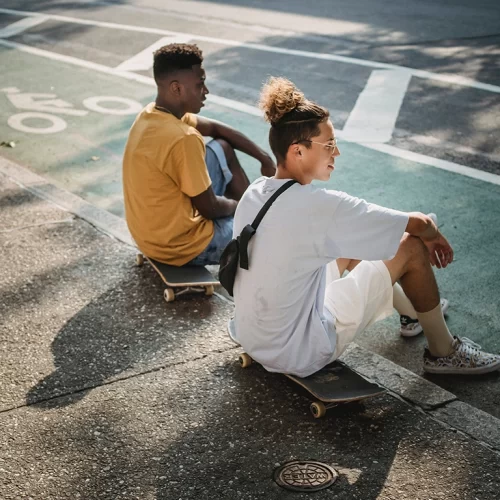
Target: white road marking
95,104
441,77
72,60
46,103
21,25
453,146
143,61
391,150
56,123
221,22
435,162
238,106
374,115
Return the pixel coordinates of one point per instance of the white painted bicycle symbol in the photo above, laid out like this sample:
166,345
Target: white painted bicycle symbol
43,110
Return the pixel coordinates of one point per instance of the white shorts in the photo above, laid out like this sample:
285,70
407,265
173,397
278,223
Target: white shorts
357,301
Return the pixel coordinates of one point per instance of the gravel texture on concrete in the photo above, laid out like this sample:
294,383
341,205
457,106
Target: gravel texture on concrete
209,429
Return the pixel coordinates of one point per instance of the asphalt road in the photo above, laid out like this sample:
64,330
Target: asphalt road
440,119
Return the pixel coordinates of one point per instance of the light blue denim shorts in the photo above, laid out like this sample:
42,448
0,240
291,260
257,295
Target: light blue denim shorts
221,176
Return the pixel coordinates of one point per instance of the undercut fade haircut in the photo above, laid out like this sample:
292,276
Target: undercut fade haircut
175,57
293,117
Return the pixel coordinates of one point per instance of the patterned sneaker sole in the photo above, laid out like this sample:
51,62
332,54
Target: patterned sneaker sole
445,304
480,370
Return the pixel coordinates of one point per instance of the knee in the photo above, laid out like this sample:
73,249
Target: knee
226,147
413,247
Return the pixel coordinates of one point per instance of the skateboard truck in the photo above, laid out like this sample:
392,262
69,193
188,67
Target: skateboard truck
181,280
333,385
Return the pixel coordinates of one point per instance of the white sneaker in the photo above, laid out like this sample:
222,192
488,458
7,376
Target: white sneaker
410,327
434,217
466,359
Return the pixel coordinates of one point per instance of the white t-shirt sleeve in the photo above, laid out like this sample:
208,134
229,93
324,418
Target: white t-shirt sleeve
364,231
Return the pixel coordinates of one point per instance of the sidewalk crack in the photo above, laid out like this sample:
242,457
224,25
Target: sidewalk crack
38,224
119,379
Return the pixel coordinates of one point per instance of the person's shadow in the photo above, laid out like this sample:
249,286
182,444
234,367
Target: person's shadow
127,330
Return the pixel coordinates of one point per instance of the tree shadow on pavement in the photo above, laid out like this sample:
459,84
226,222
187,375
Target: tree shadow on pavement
240,424
46,6
453,113
208,429
385,24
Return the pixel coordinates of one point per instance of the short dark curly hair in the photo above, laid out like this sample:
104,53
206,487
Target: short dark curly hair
174,57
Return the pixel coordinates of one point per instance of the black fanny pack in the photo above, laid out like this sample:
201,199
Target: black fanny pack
236,251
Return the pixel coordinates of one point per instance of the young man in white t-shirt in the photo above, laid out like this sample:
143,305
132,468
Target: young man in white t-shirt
294,313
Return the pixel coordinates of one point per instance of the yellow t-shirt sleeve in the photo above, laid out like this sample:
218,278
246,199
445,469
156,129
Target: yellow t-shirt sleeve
190,119
186,165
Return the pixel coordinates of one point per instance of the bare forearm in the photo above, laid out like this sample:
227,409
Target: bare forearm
440,250
223,207
211,206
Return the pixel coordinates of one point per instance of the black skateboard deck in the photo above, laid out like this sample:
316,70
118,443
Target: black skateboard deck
181,279
334,384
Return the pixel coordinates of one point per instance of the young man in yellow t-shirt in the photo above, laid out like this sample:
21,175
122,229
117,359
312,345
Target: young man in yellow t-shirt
180,194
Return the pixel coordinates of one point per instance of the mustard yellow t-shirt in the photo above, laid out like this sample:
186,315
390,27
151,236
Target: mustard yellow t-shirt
163,167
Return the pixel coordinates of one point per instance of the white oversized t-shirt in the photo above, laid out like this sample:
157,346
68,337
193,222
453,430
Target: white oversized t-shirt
280,319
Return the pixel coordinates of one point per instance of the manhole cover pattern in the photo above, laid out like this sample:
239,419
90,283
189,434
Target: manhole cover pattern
305,476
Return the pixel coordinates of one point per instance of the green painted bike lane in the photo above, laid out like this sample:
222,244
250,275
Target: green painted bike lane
468,209
85,158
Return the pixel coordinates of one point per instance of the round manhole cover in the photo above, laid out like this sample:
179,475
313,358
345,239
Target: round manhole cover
305,476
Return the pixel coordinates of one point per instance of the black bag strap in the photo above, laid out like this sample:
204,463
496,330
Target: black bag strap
269,202
249,229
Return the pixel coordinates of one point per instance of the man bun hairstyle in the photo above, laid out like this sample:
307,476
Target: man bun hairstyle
279,97
292,116
175,57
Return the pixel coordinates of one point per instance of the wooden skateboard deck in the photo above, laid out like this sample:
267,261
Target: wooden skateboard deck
334,384
182,279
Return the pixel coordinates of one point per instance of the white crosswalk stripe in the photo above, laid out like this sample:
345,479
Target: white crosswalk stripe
143,61
375,113
21,25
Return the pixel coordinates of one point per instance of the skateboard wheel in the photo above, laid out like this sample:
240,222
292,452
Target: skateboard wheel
245,360
209,290
318,409
169,295
139,259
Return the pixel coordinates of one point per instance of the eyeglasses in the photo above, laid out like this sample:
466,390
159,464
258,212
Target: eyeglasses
330,146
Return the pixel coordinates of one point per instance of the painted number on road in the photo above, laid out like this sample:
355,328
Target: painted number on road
42,110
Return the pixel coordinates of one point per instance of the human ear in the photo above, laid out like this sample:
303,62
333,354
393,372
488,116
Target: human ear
175,88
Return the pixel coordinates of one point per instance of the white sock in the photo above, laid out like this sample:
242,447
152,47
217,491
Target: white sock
436,332
402,303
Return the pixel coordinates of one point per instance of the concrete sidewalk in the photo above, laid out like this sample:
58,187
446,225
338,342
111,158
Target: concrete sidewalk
107,392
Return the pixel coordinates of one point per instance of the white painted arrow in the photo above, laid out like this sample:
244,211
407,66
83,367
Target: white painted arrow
46,103
21,25
143,61
374,115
